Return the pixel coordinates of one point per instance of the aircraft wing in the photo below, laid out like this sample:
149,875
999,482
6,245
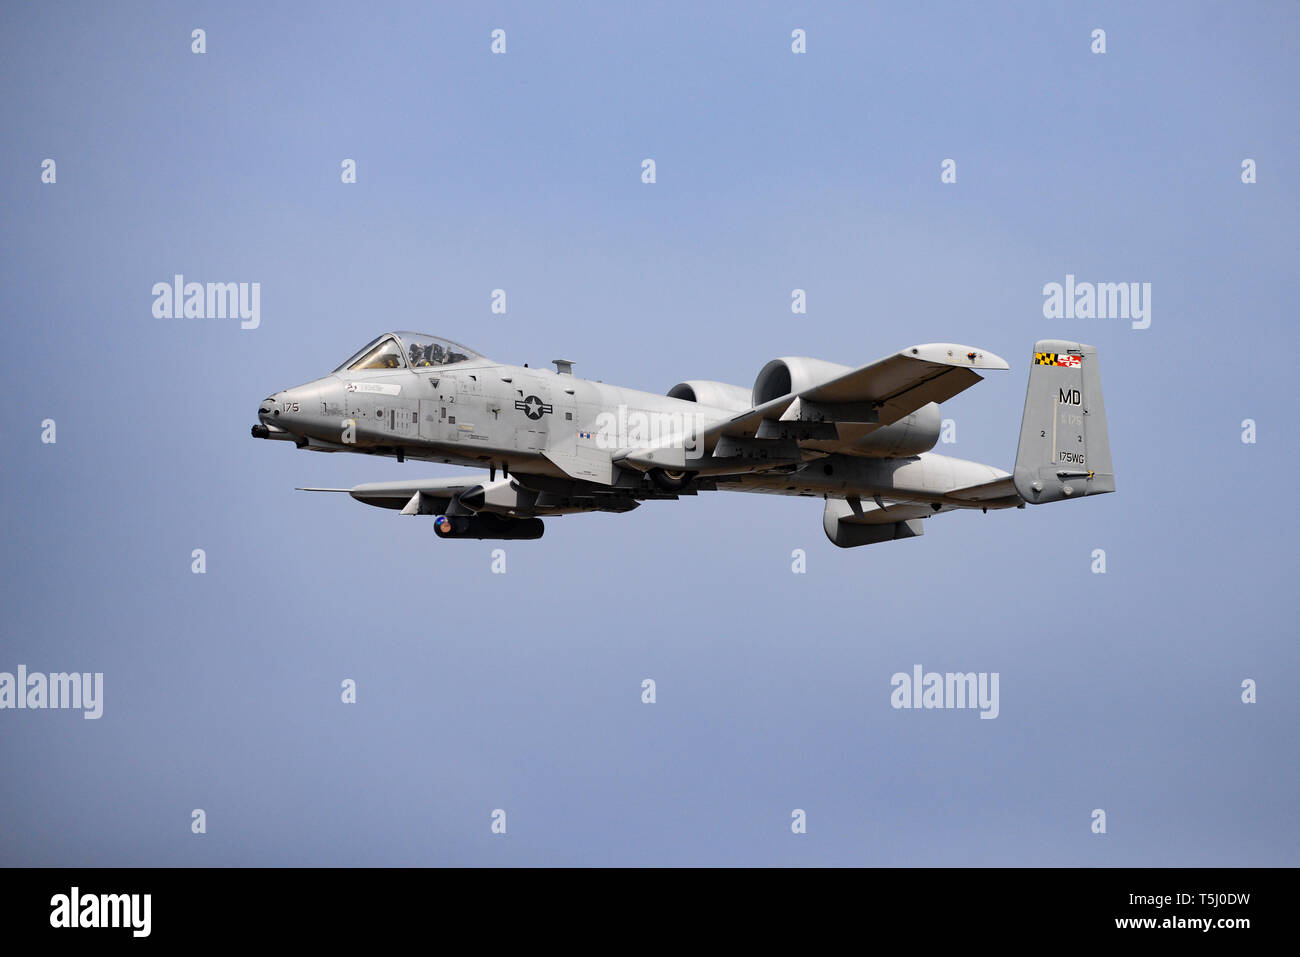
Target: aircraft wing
875,395
514,496
832,414
429,496
828,415
904,382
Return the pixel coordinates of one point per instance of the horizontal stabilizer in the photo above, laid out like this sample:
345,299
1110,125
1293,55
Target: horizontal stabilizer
849,523
999,491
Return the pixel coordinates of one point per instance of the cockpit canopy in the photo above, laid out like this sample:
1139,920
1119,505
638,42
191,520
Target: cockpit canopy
407,350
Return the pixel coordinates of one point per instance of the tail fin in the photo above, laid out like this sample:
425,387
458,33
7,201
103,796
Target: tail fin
1064,450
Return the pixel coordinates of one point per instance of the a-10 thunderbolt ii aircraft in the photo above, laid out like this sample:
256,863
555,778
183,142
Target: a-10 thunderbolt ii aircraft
554,444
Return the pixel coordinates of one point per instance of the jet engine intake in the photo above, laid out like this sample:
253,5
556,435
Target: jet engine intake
718,395
793,374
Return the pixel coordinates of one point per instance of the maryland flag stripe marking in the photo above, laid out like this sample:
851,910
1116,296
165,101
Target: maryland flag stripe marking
1057,359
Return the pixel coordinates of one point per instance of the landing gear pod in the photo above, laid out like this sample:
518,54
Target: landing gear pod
488,525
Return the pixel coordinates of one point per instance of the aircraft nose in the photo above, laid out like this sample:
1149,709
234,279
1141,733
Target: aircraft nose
312,410
265,409
268,415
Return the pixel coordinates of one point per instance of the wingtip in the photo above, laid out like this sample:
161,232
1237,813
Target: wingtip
952,354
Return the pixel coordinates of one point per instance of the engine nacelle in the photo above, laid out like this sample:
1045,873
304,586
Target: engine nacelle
792,374
718,395
487,525
910,435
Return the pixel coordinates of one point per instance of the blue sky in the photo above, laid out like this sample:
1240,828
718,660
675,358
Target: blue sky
522,691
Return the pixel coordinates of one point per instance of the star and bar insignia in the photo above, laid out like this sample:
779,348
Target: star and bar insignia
533,407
